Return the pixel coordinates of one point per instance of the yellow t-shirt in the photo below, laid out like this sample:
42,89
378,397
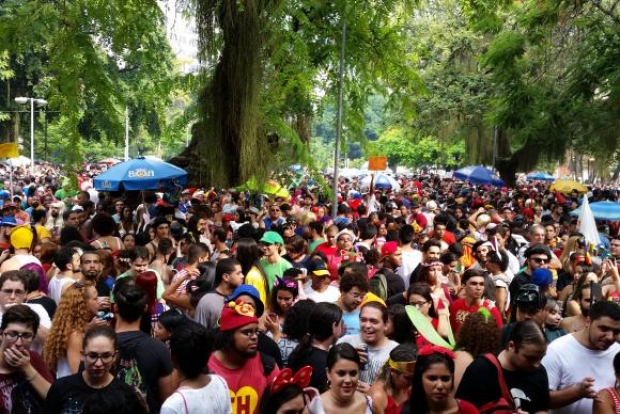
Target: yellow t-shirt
255,278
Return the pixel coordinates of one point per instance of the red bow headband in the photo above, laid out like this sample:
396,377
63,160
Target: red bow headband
285,377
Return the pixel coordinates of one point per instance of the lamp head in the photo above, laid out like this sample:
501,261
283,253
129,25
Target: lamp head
21,100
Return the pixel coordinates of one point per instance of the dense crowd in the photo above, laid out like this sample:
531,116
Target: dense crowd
442,297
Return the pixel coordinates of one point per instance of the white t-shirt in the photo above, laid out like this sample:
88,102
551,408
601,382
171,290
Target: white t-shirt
55,286
214,396
411,260
331,294
377,357
568,363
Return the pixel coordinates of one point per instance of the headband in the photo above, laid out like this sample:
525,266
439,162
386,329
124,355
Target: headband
291,284
434,349
406,367
286,377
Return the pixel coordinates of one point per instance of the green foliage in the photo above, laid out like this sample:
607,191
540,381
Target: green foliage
90,60
293,49
416,151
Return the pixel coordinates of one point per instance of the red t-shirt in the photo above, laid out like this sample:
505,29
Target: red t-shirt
459,312
246,384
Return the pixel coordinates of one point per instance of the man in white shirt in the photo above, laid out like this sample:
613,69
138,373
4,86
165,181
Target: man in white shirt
580,364
371,343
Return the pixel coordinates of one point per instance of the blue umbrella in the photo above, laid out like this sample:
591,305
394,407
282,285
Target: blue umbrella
540,176
602,210
140,174
477,174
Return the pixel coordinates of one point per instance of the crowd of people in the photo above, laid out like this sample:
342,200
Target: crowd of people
443,297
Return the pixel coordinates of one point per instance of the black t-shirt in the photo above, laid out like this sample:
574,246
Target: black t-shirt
317,359
48,304
153,361
68,394
480,385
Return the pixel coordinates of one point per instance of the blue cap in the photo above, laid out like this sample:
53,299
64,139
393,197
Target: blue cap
542,278
251,291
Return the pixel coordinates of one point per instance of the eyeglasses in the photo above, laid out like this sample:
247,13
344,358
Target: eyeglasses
24,336
16,292
345,240
418,304
539,260
92,357
250,332
357,296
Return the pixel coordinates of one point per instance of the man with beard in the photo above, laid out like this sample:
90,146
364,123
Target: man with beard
54,220
237,359
579,364
91,268
371,343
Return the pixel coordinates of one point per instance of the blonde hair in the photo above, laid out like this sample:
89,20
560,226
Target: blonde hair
72,315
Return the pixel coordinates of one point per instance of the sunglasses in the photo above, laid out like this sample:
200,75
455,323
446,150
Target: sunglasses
539,260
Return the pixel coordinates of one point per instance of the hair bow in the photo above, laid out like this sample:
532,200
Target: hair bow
434,349
286,377
486,313
291,284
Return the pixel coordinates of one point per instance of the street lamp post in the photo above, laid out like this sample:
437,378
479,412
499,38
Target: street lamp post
39,102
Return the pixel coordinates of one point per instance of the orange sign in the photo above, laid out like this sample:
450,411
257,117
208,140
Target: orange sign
377,163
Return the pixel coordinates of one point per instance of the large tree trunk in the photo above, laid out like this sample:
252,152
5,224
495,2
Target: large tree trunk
227,142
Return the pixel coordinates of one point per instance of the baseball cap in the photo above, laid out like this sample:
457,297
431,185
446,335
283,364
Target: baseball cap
317,267
271,237
251,291
389,248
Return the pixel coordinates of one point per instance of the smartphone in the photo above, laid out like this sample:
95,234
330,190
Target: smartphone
596,292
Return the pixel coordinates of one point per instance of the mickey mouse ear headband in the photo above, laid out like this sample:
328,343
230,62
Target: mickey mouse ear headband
286,377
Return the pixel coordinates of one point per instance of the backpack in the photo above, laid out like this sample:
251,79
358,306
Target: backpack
128,371
379,286
505,403
268,362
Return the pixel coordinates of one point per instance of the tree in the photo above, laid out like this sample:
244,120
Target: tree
90,60
269,60
557,84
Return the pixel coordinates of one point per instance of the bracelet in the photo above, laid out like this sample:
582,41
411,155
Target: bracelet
31,378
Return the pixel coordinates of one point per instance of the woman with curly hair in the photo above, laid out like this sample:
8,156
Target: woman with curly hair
478,335
76,310
105,226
